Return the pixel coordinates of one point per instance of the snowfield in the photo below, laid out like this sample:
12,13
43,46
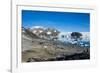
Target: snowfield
67,36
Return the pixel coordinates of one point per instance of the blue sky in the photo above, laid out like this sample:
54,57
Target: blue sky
63,21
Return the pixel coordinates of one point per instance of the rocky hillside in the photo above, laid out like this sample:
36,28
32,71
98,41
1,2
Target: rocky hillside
36,49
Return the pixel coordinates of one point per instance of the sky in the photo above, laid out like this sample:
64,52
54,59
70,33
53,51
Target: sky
62,21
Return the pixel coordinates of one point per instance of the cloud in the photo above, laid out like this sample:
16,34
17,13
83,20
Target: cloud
37,27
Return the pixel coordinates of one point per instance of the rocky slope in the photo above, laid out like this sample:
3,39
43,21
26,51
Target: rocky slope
36,49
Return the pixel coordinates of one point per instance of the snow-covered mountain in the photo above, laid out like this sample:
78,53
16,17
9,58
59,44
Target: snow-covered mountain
67,36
